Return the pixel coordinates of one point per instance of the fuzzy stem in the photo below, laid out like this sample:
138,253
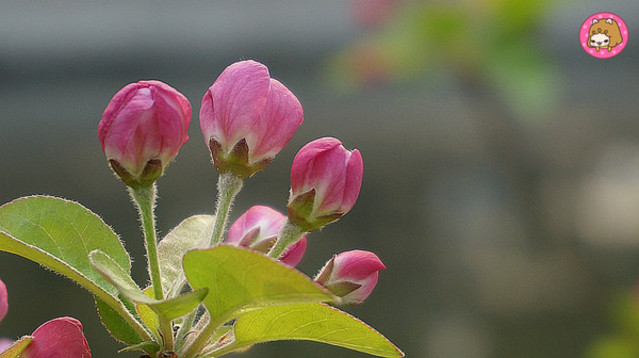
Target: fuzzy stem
228,186
289,234
144,198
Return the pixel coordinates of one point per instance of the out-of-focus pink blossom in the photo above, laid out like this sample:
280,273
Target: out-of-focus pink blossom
325,183
258,228
247,118
142,129
58,338
4,307
372,13
4,300
351,275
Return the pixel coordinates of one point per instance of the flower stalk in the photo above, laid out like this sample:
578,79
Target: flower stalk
144,198
228,186
289,234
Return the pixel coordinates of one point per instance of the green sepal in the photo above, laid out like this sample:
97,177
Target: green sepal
301,213
236,161
152,171
265,245
17,347
343,288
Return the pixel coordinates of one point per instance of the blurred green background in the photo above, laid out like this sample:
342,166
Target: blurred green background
501,181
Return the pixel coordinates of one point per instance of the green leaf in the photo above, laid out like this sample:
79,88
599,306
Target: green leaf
192,233
180,305
59,234
167,309
240,280
115,324
147,315
17,347
150,347
313,322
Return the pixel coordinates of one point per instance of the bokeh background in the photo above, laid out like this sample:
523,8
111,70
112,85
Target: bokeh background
501,182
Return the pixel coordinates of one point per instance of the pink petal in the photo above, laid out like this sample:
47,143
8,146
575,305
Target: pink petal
4,300
359,295
294,253
58,338
269,221
282,116
234,103
119,100
301,176
354,174
330,179
356,265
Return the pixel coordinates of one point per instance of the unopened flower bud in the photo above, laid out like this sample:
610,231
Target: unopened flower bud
351,275
258,229
4,301
142,129
58,338
5,343
325,183
247,118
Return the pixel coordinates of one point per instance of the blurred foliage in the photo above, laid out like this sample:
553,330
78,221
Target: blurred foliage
493,42
622,341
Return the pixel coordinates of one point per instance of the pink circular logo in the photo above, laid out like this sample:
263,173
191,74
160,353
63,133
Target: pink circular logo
603,35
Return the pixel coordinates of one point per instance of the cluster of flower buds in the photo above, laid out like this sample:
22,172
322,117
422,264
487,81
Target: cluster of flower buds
60,338
246,118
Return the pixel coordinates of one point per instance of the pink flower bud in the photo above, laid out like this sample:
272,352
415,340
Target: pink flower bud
351,275
5,343
325,183
247,118
4,300
258,228
58,338
142,129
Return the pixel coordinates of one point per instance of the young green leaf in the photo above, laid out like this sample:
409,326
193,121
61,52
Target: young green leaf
192,233
59,234
150,347
147,315
115,324
313,322
168,309
17,347
241,280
